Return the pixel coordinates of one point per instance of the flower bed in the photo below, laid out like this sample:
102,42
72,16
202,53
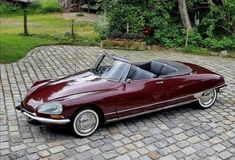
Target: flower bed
123,44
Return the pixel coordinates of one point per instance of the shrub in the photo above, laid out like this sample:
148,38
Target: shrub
103,29
222,43
45,6
219,21
125,19
8,8
40,6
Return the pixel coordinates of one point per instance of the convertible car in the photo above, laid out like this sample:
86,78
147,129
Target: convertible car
115,89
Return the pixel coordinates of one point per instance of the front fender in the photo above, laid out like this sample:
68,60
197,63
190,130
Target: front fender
103,99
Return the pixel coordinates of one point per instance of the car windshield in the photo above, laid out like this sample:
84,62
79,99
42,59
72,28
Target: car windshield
108,68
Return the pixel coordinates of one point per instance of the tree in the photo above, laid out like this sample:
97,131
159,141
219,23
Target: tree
184,14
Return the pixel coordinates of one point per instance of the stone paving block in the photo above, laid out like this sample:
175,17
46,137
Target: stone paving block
215,140
95,151
18,147
189,150
4,145
82,148
225,155
218,147
136,137
110,154
134,154
56,149
43,153
194,139
126,157
121,150
153,155
180,137
57,156
169,157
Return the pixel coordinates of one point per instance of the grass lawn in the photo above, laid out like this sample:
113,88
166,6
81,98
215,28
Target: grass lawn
14,47
43,29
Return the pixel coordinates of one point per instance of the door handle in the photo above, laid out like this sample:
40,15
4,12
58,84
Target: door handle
159,82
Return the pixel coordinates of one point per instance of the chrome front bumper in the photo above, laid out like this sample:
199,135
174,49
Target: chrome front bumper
42,119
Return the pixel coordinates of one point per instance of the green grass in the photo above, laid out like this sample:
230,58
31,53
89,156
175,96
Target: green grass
40,6
14,47
44,29
196,50
204,51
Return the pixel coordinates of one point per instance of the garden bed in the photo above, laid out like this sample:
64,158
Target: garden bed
123,44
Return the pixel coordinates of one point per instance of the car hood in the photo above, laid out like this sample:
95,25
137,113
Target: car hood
49,90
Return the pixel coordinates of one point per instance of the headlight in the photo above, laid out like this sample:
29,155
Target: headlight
50,108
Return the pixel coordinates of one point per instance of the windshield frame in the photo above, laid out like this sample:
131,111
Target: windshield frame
114,58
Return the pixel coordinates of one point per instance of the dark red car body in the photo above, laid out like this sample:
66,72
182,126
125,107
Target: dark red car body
118,100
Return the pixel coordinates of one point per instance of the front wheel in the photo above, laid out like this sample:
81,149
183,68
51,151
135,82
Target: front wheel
207,98
85,122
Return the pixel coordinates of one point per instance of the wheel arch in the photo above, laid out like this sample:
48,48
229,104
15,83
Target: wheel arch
94,107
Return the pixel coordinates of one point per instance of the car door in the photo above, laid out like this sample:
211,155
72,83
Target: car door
179,89
139,96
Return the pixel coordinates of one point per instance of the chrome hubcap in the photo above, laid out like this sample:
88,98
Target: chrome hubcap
86,122
207,97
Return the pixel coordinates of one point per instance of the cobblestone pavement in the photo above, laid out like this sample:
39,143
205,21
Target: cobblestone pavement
179,133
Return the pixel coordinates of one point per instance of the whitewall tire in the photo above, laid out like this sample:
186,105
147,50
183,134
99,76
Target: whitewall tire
85,122
208,98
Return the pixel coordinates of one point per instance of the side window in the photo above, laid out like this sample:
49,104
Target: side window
131,72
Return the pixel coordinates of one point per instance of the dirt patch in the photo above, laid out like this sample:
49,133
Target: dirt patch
91,17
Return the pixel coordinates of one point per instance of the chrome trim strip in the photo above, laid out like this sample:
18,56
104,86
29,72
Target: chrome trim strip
150,111
131,109
221,86
24,110
110,113
47,120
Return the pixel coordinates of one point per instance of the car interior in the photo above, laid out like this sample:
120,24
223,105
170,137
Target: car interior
157,68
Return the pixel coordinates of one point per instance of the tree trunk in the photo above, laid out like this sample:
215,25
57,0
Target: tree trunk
184,14
25,20
66,4
210,2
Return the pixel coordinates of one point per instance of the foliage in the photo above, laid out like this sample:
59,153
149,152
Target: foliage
40,6
196,50
102,29
45,6
125,19
8,8
219,21
220,43
216,30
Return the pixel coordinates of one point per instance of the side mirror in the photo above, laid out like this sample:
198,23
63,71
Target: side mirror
128,80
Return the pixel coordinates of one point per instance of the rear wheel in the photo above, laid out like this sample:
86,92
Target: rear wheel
85,122
208,98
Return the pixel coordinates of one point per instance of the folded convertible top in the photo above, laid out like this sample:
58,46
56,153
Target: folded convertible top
181,68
